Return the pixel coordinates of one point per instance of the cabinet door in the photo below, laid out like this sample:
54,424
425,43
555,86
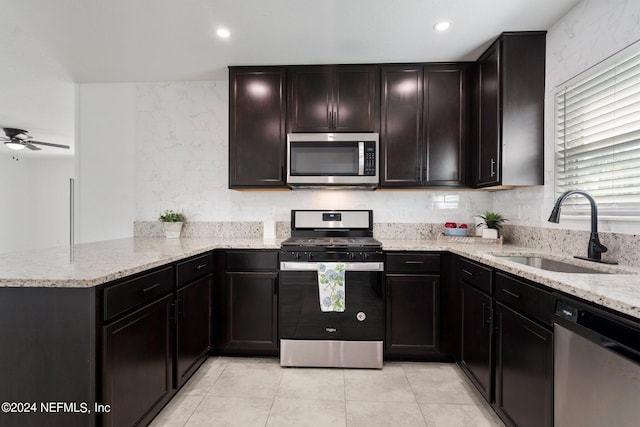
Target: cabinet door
524,370
355,99
444,125
476,351
413,315
310,99
257,136
137,364
193,327
251,313
488,144
401,126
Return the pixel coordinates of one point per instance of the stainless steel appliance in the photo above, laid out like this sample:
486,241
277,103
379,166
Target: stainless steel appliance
332,159
596,367
352,338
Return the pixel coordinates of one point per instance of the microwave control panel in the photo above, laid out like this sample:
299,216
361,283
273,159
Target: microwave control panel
369,158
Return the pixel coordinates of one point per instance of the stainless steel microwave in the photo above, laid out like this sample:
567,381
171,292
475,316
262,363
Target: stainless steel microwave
332,159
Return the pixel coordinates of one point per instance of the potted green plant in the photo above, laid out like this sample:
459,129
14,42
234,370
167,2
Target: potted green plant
172,223
493,223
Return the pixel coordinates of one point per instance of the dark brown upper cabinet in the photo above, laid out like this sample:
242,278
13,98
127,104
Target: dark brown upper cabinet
423,125
509,112
340,98
257,135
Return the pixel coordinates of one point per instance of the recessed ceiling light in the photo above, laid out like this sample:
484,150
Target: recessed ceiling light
223,33
442,26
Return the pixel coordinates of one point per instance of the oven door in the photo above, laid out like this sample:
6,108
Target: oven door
300,313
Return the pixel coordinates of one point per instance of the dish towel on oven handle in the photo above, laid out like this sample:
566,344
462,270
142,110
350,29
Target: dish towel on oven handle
331,286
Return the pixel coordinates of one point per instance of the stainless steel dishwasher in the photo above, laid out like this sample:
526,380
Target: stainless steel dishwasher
596,367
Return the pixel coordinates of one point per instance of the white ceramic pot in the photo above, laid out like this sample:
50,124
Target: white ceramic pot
172,230
489,233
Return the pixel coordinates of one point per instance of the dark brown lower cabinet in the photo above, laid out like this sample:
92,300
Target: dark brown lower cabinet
420,297
137,364
193,327
252,320
413,315
476,344
524,370
246,298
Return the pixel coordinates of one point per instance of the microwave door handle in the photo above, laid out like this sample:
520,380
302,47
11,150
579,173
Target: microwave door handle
361,158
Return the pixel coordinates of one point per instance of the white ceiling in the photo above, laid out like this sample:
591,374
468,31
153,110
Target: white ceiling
55,43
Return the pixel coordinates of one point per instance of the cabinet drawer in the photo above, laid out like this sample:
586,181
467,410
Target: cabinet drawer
252,260
408,262
194,268
135,292
476,275
525,298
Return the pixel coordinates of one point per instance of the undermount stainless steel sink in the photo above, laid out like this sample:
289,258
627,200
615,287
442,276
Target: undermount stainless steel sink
550,264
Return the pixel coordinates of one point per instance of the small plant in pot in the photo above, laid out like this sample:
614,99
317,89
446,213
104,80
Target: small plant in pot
172,223
493,223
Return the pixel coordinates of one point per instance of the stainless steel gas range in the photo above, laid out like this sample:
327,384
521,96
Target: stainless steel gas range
331,291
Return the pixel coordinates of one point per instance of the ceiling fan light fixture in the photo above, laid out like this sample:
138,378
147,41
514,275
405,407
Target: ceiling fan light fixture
15,145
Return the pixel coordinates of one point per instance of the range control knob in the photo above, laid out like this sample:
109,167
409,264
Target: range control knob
361,316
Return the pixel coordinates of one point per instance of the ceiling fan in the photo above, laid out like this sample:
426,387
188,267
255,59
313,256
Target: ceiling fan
18,139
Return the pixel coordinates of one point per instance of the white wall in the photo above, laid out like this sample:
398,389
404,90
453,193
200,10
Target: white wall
35,201
14,207
105,158
36,94
588,34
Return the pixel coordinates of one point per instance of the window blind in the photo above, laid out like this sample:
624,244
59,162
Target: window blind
598,139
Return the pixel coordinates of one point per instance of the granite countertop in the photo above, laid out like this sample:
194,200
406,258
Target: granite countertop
92,264
619,290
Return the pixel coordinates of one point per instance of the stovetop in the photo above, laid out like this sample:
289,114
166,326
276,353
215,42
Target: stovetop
331,242
347,233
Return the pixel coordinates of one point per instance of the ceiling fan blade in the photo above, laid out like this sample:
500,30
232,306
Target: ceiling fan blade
48,144
32,147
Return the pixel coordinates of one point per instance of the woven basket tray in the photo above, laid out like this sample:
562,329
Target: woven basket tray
469,239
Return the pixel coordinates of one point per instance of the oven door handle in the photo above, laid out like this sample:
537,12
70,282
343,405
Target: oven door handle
349,266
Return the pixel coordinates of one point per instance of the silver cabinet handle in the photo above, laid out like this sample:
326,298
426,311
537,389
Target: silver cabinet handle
516,296
493,168
150,288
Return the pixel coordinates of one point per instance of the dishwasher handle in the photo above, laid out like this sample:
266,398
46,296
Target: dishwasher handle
620,349
348,266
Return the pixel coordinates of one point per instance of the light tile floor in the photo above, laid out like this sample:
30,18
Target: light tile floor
258,392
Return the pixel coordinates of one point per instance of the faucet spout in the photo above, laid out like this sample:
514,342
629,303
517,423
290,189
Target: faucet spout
595,248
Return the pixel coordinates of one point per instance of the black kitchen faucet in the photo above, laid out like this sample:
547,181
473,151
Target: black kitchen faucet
595,248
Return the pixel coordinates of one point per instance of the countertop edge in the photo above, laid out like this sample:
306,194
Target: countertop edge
618,292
